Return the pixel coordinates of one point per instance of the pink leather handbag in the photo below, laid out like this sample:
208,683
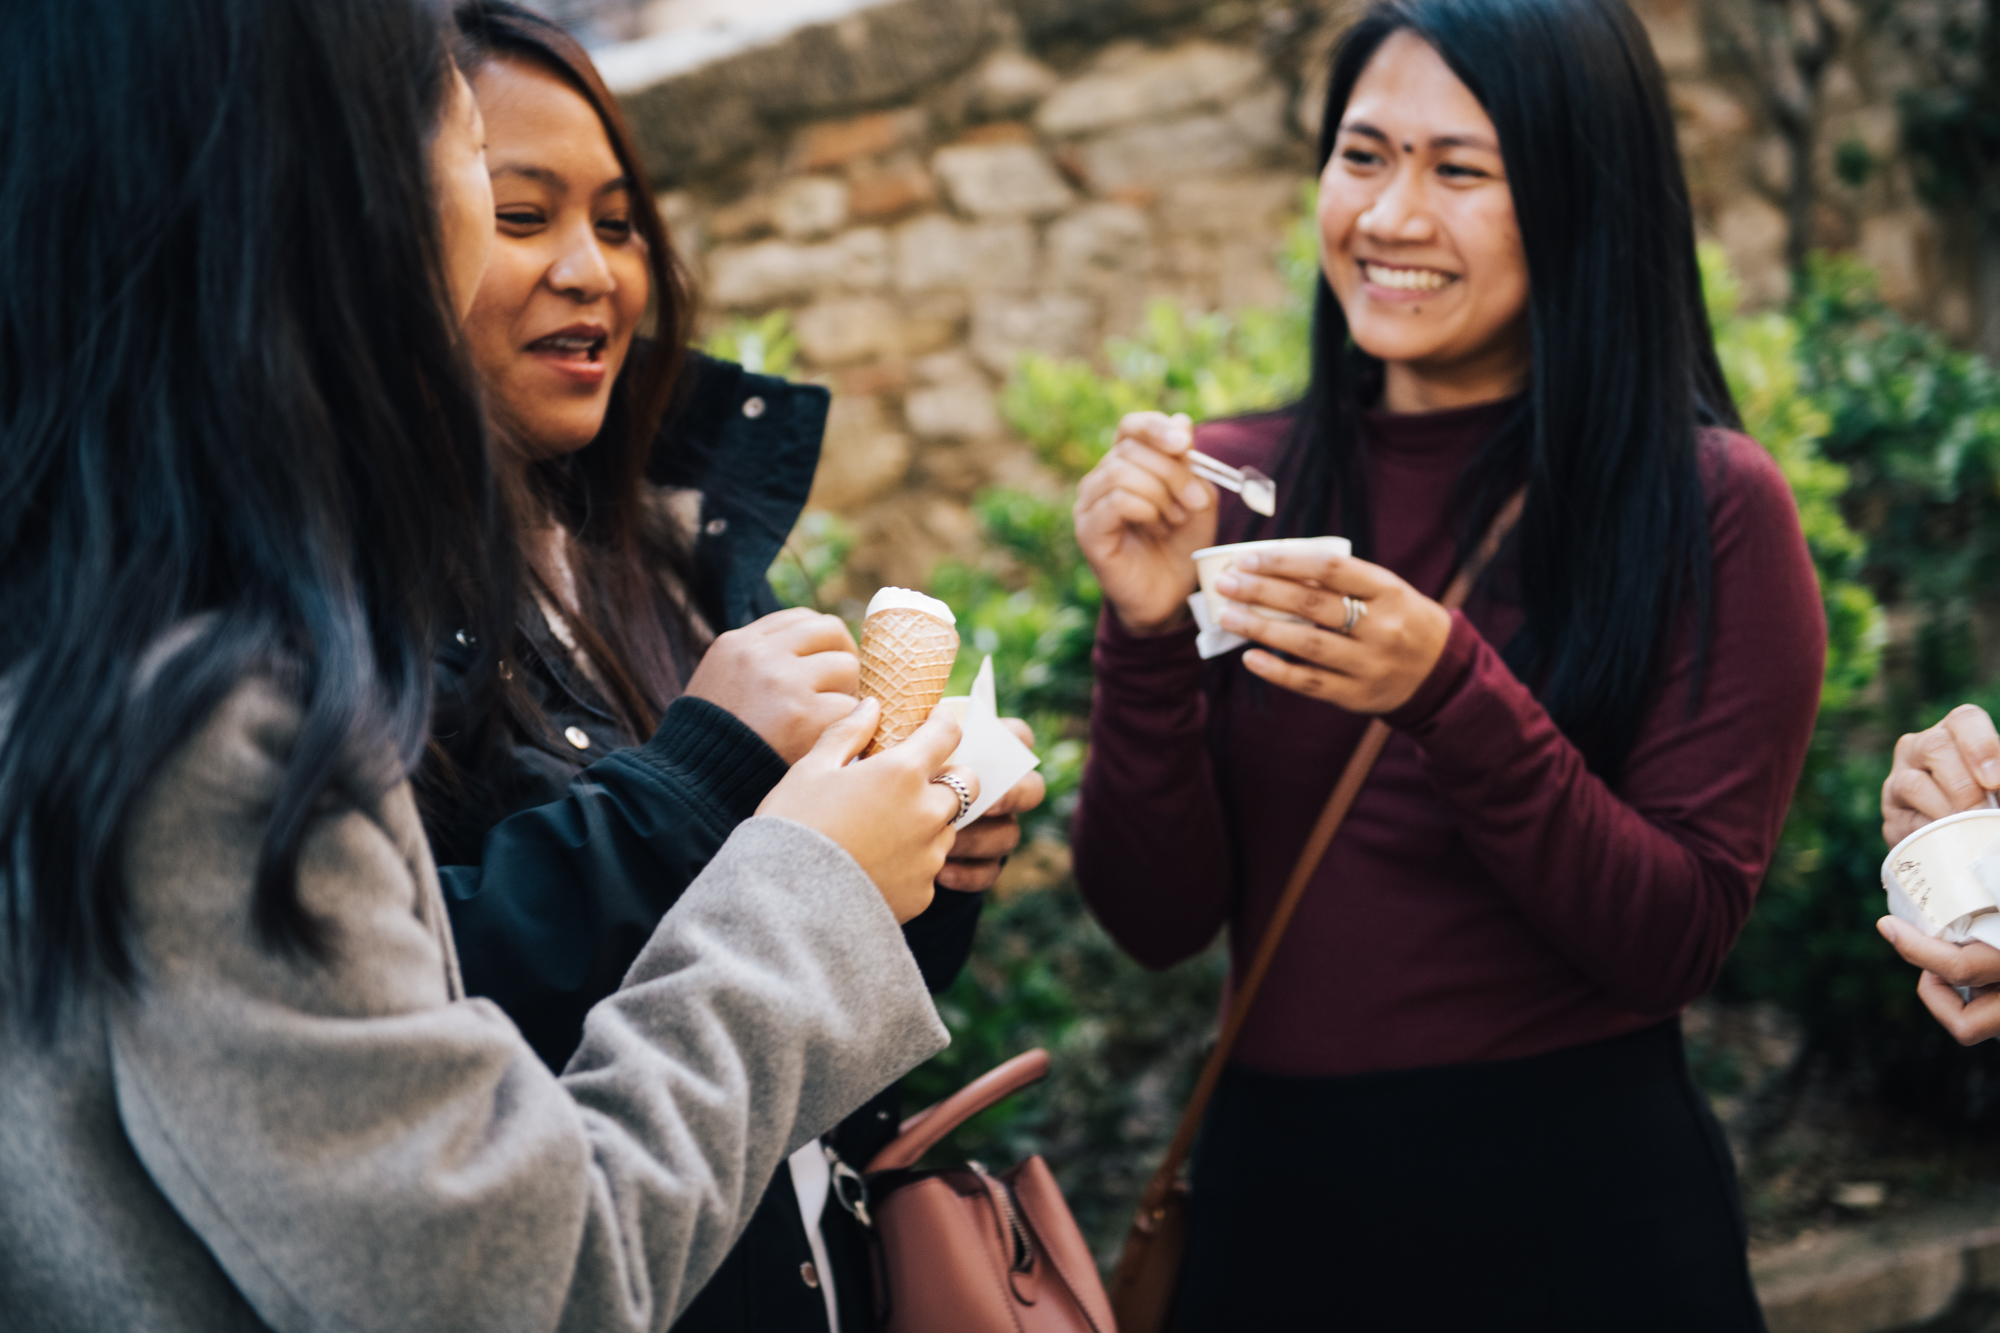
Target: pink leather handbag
964,1250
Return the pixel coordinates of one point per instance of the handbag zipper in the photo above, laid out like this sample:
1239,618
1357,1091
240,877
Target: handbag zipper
1023,1258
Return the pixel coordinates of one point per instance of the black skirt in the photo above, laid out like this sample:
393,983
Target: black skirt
1588,1189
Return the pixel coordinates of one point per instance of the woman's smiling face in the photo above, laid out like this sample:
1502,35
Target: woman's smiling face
567,283
1418,237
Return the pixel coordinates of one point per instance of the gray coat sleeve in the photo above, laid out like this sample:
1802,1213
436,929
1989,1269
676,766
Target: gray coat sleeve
360,1150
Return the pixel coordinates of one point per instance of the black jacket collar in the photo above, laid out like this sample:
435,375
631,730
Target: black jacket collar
750,445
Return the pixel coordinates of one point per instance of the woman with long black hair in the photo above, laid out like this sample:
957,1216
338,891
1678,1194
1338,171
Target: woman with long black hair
655,690
1460,1099
243,469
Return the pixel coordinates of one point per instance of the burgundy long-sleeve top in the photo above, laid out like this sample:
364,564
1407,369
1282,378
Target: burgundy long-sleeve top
1489,897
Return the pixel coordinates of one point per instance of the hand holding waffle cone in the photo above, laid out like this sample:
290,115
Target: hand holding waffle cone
888,813
908,644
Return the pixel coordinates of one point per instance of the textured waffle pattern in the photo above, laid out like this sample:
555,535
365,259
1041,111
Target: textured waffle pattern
906,657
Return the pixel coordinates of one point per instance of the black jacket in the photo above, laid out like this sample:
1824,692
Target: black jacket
553,893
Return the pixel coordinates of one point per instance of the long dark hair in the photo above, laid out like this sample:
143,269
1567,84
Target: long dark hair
1613,548
598,491
238,432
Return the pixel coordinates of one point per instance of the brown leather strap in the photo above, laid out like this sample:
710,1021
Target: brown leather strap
922,1131
1366,752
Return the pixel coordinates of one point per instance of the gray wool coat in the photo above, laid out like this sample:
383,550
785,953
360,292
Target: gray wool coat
249,1140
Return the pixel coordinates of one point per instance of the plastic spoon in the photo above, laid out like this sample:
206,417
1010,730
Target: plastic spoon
1259,492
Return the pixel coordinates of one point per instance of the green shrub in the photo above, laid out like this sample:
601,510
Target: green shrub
1761,356
1918,422
812,556
764,345
1915,423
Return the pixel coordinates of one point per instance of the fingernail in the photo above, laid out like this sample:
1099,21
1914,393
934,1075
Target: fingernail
1887,927
1233,620
1249,564
1196,495
1228,583
1989,774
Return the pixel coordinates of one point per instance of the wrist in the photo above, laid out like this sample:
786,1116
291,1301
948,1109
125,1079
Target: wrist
1152,629
1450,668
725,766
1437,637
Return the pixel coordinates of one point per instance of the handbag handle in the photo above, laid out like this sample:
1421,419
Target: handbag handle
921,1132
1152,1204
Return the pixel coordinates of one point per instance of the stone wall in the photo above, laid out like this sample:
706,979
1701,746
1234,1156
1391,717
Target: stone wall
1737,169
930,187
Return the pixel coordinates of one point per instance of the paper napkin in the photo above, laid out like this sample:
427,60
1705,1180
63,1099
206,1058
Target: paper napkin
985,746
1213,641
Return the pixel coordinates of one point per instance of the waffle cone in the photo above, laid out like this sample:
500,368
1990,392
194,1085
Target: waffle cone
906,657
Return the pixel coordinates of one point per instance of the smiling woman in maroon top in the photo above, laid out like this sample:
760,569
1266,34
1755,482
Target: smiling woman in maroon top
1460,1100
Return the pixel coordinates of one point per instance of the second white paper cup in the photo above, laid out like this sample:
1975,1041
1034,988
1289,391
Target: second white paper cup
1211,562
1932,880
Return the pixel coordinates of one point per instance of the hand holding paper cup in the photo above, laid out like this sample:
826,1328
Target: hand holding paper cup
1943,883
1944,879
1212,562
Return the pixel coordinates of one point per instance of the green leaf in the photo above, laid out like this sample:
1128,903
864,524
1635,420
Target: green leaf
764,345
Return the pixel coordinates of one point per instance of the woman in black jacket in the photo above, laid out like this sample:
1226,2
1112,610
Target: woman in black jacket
654,691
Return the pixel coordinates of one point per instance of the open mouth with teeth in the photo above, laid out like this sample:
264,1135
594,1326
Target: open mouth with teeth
1406,279
571,346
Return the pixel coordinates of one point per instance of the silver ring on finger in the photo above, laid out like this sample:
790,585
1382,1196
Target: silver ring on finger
960,790
1357,610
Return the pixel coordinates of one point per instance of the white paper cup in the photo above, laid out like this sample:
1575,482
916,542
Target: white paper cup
1933,882
1211,562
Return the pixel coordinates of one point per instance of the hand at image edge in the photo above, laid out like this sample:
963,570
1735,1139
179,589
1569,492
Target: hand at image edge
1974,965
1942,770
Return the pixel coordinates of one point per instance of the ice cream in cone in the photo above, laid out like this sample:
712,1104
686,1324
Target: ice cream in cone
908,643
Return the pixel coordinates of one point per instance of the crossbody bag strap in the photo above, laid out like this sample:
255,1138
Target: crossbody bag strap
1337,805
